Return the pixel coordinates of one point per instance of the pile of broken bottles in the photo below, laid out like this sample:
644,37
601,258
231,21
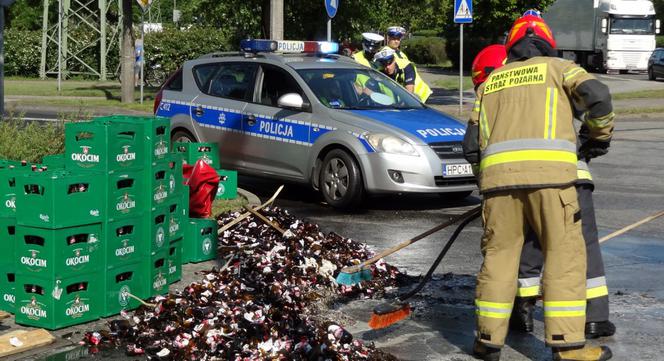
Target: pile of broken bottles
263,304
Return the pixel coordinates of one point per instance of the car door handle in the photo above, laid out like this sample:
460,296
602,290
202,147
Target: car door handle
198,111
251,119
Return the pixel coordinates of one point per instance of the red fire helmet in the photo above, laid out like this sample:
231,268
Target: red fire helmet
487,60
529,25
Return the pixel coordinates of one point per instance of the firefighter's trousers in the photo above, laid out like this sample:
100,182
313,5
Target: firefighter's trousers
553,214
597,293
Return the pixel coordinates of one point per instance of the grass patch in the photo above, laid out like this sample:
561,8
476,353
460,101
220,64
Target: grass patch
83,104
225,205
452,83
639,94
640,110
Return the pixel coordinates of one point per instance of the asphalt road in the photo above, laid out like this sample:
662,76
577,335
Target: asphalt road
629,187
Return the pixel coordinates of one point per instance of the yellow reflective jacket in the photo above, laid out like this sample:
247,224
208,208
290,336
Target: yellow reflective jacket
525,115
359,57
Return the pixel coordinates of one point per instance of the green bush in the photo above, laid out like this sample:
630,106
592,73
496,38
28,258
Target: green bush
660,41
30,141
471,46
22,52
429,50
426,33
170,48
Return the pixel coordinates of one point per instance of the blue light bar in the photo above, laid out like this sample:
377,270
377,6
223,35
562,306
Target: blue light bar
328,47
258,45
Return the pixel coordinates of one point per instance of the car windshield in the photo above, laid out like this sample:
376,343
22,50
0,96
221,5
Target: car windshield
640,26
358,89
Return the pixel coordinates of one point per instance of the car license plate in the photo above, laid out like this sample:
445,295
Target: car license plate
457,170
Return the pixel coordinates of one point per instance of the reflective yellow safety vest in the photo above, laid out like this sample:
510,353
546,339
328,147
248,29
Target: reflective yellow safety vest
359,57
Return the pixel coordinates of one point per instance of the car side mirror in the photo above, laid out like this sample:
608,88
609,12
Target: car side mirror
605,25
292,101
657,26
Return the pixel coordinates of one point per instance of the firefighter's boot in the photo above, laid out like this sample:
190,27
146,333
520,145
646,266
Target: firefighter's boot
584,353
485,353
522,314
600,329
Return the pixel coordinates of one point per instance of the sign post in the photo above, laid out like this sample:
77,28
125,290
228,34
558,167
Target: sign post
463,14
3,5
331,6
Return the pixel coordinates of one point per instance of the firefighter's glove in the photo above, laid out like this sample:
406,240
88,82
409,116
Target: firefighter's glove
593,148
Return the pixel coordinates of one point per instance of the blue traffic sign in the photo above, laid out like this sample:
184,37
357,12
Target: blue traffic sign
463,11
331,6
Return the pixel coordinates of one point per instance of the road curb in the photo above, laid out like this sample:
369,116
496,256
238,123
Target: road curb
252,199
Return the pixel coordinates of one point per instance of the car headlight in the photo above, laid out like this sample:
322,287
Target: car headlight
391,144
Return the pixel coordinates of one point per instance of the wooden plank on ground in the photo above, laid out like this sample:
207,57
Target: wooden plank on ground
30,339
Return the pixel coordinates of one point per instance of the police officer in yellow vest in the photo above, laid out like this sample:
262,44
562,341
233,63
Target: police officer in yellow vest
407,77
371,43
527,176
394,36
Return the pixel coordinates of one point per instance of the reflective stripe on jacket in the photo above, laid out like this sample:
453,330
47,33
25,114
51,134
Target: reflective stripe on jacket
526,135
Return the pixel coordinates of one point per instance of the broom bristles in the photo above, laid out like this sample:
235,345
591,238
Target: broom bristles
383,320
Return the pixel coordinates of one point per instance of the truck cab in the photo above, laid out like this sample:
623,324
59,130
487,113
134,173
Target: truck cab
610,35
629,27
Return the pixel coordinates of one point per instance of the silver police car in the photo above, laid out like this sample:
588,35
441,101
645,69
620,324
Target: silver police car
316,118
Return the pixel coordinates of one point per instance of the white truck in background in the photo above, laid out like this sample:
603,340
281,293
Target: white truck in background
604,35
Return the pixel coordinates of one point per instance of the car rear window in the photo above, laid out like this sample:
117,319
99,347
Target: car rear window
175,81
226,80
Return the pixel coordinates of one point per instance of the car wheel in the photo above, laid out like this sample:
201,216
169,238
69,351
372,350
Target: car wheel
651,74
455,196
182,136
341,180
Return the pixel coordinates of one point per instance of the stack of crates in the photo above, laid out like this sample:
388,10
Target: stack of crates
147,206
58,247
200,242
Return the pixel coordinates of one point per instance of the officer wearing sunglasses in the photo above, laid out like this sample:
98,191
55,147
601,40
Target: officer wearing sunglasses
394,36
387,62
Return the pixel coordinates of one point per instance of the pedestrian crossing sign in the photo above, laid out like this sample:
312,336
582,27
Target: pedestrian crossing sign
463,11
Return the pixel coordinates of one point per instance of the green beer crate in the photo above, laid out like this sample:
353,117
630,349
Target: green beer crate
8,174
7,290
54,303
61,252
120,281
103,147
175,261
200,242
124,241
176,219
124,195
192,152
160,184
54,161
156,231
185,203
7,242
58,199
156,133
175,162
227,188
155,273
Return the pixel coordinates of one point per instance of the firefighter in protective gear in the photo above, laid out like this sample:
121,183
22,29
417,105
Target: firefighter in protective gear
407,77
526,176
371,43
